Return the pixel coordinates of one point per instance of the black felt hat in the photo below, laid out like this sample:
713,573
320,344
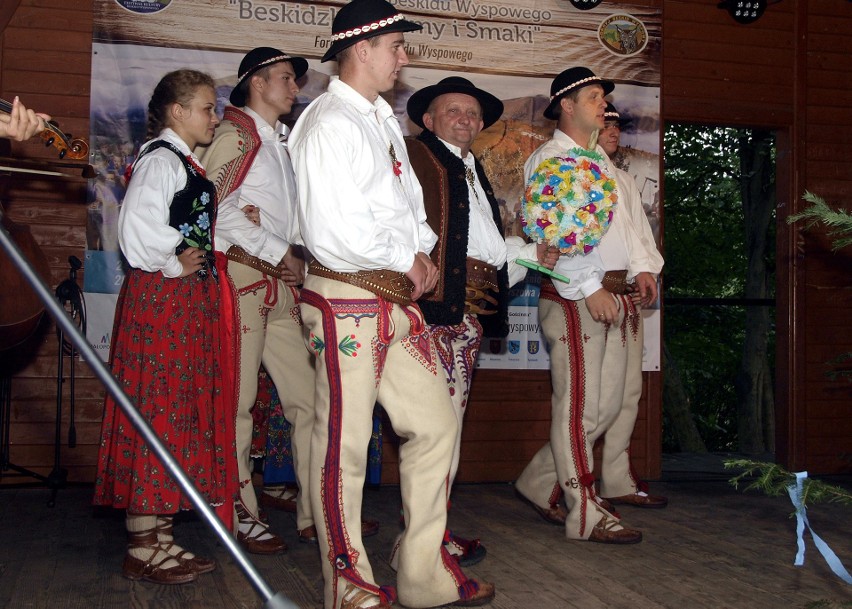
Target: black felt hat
418,103
260,58
571,80
362,19
611,114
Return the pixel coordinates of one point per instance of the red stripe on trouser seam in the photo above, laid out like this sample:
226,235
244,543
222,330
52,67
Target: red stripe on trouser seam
340,551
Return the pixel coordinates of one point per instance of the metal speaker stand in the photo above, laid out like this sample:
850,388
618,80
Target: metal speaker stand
70,297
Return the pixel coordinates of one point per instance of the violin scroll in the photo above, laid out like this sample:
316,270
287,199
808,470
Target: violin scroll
76,148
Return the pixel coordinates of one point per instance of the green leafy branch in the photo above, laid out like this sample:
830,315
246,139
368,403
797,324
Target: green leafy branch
773,480
839,222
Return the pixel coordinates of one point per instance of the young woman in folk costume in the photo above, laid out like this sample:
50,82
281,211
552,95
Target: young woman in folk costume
170,351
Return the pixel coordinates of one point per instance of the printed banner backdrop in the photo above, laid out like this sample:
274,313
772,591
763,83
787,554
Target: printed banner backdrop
512,48
100,310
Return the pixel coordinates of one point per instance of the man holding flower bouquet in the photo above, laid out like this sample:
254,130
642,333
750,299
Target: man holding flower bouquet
572,202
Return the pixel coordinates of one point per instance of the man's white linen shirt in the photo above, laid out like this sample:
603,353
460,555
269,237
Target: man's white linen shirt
484,241
355,212
270,185
620,248
631,201
146,239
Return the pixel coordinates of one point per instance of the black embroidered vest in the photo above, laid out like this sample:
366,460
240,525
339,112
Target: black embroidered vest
192,211
445,194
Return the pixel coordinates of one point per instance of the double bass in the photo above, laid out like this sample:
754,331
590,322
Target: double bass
20,308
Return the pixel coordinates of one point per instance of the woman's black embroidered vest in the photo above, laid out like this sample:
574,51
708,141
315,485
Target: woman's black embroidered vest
192,211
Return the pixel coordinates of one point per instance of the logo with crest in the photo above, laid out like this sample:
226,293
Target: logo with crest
144,7
623,35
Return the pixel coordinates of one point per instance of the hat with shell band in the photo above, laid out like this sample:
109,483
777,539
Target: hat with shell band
260,58
571,80
611,114
362,19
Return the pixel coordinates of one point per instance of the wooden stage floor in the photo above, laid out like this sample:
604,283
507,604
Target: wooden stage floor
713,548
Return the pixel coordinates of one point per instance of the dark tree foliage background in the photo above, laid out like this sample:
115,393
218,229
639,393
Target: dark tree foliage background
709,171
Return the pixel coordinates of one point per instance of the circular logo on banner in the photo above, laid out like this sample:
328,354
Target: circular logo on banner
144,6
623,35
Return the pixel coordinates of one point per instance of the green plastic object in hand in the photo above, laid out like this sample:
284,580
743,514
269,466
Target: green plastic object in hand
541,269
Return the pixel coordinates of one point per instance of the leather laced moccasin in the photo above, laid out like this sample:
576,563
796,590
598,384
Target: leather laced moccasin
197,563
308,535
251,539
483,596
641,499
467,552
554,515
608,530
607,505
281,498
354,596
151,570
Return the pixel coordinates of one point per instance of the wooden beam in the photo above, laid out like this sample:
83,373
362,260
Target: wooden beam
7,10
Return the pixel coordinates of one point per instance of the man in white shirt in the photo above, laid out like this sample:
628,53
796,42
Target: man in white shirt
586,323
250,165
362,218
476,263
619,483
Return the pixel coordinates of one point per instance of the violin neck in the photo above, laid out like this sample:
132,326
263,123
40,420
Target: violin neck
5,106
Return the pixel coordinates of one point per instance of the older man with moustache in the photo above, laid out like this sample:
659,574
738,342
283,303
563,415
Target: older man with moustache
476,263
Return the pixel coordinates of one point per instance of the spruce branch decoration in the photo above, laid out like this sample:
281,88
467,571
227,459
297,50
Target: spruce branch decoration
773,480
839,222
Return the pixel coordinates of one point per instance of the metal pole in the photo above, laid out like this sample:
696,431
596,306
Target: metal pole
272,600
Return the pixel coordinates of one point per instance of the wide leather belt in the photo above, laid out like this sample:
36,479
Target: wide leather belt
616,282
238,254
481,288
390,285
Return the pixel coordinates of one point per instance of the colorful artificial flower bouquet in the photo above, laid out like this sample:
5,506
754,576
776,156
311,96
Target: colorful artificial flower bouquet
569,202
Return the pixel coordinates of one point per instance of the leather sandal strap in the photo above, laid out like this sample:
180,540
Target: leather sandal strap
256,530
147,540
165,525
142,539
280,492
358,595
257,527
179,556
158,558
